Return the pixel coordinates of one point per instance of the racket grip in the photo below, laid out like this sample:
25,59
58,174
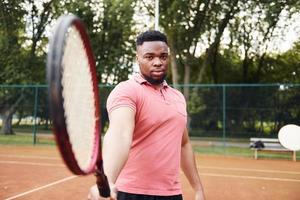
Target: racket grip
102,183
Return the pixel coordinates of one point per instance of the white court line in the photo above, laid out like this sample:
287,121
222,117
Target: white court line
40,188
31,163
38,157
251,177
250,170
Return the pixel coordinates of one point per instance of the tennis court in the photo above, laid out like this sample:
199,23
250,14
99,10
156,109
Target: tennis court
37,172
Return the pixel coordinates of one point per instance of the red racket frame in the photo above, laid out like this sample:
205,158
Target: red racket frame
54,77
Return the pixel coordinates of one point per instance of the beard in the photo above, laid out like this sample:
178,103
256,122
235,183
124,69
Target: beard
155,81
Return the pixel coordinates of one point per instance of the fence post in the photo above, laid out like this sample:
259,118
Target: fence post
224,117
35,114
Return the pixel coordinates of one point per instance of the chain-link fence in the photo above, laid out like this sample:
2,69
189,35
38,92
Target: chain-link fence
217,113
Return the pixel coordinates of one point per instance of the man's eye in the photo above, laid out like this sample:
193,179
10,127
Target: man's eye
164,57
149,57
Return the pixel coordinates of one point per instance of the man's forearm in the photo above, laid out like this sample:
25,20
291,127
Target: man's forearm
189,168
117,142
115,154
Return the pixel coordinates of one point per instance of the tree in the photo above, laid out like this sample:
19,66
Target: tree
188,24
283,68
110,27
113,41
10,57
23,42
22,48
192,26
38,18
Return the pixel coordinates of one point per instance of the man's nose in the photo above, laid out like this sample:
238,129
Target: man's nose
157,61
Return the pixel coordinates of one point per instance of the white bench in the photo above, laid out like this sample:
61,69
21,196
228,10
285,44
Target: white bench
270,144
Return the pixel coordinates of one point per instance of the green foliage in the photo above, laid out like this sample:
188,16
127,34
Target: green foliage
23,37
110,27
113,41
22,51
283,68
188,24
23,43
11,55
198,26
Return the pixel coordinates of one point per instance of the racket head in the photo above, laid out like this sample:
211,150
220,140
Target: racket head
289,137
73,95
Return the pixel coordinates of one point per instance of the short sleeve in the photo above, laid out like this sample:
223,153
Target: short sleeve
123,95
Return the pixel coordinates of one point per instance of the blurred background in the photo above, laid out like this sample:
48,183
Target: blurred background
237,62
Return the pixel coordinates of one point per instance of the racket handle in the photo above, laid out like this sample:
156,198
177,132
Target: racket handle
102,183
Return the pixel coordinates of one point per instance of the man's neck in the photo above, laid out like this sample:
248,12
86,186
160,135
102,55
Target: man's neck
158,87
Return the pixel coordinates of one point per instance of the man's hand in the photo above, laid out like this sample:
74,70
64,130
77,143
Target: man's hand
199,195
94,193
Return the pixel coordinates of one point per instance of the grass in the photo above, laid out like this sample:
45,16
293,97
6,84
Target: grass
47,139
25,139
242,152
223,151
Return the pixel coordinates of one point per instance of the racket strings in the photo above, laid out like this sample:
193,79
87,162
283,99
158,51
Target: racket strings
78,99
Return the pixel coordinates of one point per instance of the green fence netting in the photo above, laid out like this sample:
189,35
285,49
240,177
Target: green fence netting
218,114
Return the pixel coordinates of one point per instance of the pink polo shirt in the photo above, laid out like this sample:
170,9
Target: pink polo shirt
153,165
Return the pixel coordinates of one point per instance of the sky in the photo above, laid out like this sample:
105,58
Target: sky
292,34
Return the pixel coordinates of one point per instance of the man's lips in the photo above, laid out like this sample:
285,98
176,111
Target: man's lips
157,73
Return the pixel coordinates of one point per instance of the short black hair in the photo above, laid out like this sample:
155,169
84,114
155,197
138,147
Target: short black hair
149,36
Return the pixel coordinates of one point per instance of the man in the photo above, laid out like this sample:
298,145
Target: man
147,139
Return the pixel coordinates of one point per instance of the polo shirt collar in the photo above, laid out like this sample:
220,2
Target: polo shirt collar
141,80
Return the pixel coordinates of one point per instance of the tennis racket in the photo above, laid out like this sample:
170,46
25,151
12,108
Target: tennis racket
74,100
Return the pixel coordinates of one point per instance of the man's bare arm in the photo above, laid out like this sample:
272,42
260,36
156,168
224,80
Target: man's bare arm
116,145
189,167
117,141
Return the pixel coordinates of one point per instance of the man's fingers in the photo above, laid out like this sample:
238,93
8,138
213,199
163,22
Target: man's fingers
113,191
94,193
